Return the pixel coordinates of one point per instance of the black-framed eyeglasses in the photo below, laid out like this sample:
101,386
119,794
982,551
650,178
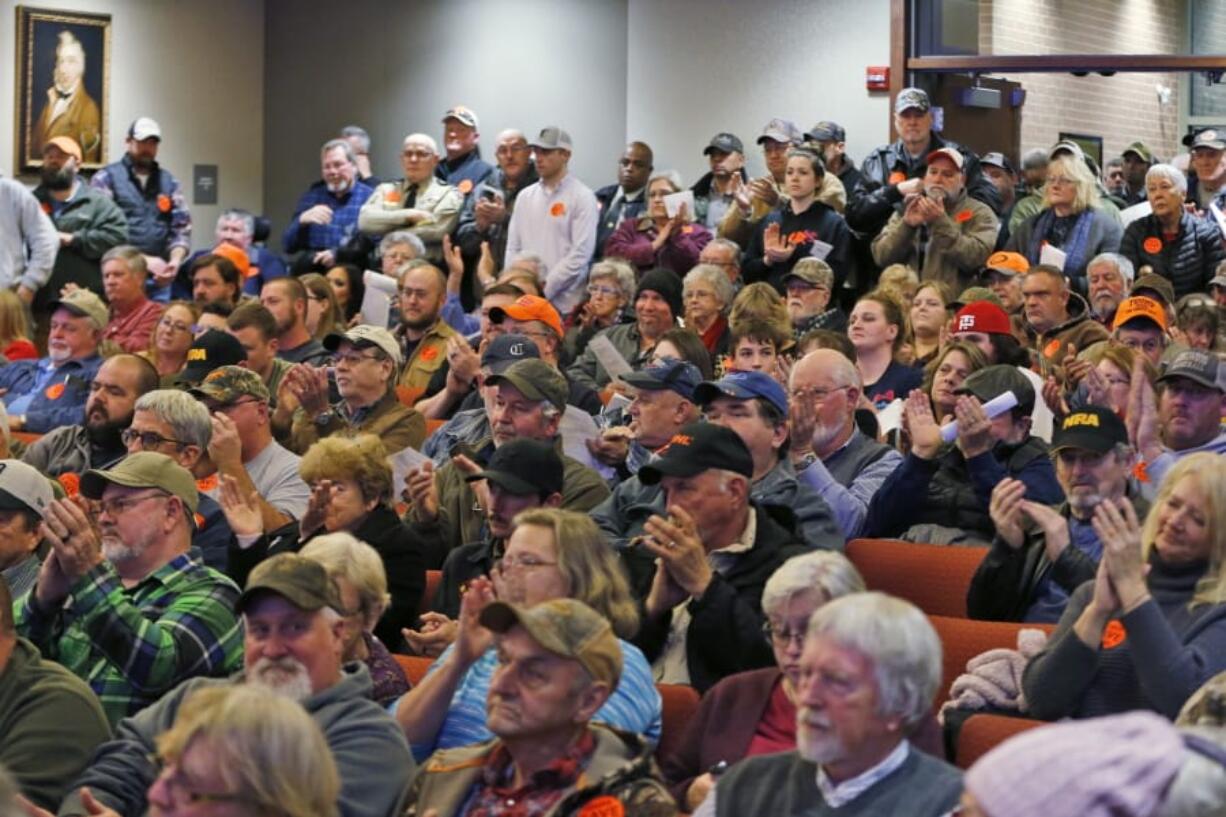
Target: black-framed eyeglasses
783,635
148,439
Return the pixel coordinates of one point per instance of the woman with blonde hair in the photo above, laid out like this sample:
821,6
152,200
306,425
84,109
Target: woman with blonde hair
172,337
15,343
1071,221
929,314
248,750
323,315
357,570
877,327
1151,627
550,554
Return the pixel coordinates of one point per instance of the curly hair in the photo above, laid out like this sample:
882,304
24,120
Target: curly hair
362,459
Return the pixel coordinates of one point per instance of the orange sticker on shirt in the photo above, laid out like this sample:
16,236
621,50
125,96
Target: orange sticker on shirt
55,391
603,806
392,196
898,177
1114,634
70,482
199,521
46,205
164,203
207,484
465,186
429,353
1152,245
964,216
1052,349
558,209
687,229
1139,471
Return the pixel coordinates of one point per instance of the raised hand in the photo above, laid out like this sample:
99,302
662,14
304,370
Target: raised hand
242,511
1005,508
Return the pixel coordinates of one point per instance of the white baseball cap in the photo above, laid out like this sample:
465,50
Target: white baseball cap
23,488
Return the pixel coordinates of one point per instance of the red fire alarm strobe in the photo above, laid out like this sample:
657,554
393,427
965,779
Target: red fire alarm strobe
877,77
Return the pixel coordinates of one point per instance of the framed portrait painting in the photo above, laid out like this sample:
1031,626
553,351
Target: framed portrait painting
63,76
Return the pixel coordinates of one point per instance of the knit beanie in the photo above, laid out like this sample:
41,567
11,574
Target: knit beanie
667,285
1119,766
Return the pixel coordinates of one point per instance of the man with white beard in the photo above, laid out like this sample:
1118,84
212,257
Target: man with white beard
870,667
292,614
126,605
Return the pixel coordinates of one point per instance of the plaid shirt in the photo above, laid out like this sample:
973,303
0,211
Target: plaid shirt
496,796
344,224
133,644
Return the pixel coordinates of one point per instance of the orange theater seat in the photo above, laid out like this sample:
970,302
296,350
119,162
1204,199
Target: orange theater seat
934,578
434,424
980,733
408,395
433,578
679,703
414,666
963,638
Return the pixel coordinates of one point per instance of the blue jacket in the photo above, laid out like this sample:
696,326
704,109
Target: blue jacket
61,402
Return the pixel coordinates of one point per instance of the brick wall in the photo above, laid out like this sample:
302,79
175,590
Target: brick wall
1120,109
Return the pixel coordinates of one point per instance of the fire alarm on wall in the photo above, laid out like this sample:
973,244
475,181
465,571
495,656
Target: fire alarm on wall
877,77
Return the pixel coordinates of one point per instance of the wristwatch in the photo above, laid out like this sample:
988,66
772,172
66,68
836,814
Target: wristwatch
324,417
801,463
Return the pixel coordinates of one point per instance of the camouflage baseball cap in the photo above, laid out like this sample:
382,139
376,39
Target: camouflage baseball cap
144,469
302,581
565,627
84,304
536,380
228,384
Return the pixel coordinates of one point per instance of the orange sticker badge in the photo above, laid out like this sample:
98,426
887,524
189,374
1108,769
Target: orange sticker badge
199,520
164,203
392,196
1152,245
55,391
898,177
1140,472
687,229
429,353
465,186
70,482
603,806
46,205
1114,634
1052,349
964,216
558,209
207,484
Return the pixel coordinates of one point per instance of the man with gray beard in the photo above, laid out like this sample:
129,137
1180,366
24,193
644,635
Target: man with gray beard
120,600
293,620
1042,554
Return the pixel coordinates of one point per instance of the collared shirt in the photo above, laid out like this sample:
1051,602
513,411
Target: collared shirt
21,576
850,502
49,395
345,208
838,795
131,331
496,796
672,666
132,644
558,224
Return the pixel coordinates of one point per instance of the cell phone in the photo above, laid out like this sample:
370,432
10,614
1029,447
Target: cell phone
717,769
490,195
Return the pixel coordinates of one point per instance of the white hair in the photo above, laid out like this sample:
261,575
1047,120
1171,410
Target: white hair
1171,174
422,139
1199,787
826,571
713,276
1122,265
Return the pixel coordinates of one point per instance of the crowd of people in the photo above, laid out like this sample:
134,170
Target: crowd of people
628,433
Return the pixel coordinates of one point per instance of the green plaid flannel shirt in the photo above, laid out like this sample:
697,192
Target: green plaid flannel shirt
133,644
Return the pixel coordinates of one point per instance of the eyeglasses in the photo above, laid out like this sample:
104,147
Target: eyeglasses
182,789
115,507
597,289
1059,180
178,326
506,564
148,439
417,155
816,393
352,358
783,635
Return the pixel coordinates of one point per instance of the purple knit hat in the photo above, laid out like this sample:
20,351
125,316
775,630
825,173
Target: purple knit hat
1119,766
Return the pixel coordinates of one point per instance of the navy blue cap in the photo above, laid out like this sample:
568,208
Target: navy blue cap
744,386
826,132
504,350
669,373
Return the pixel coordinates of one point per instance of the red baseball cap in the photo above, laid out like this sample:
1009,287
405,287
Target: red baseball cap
530,308
982,316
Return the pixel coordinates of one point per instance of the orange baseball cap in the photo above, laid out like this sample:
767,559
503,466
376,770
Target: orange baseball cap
1010,263
66,144
530,308
235,256
1139,307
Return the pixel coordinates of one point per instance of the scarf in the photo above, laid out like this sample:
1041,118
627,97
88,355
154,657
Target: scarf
1074,248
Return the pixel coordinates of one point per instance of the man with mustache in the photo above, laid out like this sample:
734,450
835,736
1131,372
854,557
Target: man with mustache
1041,554
326,215
870,667
122,600
292,644
97,443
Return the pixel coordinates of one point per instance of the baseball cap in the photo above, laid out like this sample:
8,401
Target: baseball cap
698,447
1207,138
505,349
669,374
949,153
1152,282
84,304
1136,307
1093,428
1199,366
530,308
553,138
211,350
1218,280
912,98
724,143
536,380
523,466
781,130
462,114
1007,263
364,336
301,580
998,160
815,271
744,386
229,384
66,144
825,131
1066,146
144,469
972,295
1143,152
564,627
993,381
236,256
982,316
23,488
145,128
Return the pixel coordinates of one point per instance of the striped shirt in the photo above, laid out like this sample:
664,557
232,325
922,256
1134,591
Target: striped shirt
133,644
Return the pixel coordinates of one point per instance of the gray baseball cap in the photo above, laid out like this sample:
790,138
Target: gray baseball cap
553,138
23,488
